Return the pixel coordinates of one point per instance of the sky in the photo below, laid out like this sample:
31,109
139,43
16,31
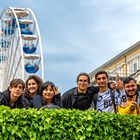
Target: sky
81,35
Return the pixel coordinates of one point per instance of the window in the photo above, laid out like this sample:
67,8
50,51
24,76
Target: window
135,67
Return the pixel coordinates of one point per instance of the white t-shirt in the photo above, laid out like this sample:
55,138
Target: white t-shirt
104,102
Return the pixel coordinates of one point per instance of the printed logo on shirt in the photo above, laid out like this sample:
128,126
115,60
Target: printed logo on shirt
124,98
104,103
99,98
107,103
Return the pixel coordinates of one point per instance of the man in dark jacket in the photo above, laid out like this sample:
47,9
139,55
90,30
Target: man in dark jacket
12,97
81,96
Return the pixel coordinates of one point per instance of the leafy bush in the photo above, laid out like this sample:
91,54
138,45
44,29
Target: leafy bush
65,124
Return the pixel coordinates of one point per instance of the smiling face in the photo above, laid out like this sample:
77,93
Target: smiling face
82,83
102,81
32,87
130,88
48,93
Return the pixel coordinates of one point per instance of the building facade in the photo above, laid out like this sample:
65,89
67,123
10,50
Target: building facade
127,63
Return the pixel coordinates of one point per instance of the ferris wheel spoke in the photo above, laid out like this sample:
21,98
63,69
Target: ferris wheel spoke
21,51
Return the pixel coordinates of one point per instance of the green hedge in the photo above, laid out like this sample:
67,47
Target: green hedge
64,124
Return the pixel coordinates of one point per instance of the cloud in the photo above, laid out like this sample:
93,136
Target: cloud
81,35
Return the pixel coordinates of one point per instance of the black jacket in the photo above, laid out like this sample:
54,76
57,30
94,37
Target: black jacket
30,100
73,100
20,103
39,102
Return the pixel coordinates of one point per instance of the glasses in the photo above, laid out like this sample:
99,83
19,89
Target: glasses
83,81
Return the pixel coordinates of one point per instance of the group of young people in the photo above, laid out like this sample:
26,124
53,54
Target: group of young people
34,93
123,97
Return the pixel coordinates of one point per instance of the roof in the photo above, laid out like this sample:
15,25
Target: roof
119,56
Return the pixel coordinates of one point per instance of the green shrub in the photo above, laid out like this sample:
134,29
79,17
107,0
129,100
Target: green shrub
65,124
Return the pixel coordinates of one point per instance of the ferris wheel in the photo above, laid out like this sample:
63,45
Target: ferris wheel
20,45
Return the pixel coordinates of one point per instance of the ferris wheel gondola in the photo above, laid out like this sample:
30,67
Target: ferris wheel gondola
21,48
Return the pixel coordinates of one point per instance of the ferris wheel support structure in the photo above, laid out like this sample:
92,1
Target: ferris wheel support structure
21,51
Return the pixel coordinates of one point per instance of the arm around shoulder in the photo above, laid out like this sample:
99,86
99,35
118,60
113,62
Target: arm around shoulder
67,98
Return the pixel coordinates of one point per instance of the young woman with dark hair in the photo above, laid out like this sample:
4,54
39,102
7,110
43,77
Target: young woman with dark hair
49,97
33,85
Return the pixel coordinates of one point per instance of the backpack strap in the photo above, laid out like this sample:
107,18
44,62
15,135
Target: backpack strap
113,100
95,98
138,98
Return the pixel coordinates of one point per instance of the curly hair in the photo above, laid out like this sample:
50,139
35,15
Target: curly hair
39,82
